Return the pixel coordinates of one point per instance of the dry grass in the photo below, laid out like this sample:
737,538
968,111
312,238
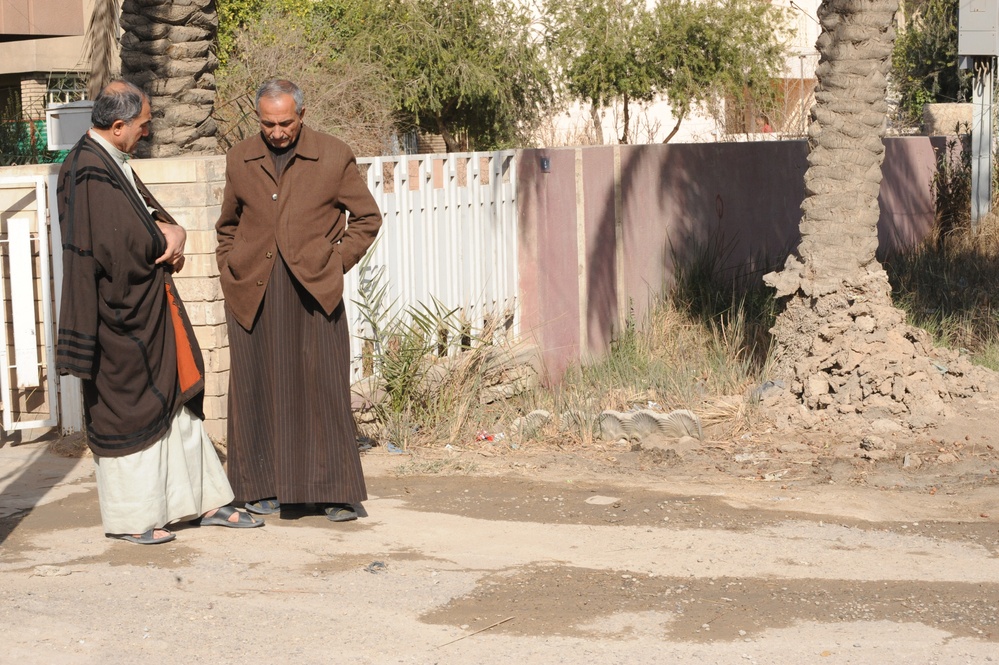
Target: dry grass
72,445
679,358
704,348
948,285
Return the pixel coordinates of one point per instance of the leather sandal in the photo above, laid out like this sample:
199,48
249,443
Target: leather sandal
264,506
340,512
147,538
221,518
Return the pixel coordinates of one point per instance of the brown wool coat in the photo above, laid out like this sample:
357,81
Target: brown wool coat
304,216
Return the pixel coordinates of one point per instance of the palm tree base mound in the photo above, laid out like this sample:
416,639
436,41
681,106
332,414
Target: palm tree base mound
849,356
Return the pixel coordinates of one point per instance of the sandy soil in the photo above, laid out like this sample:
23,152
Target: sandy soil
769,548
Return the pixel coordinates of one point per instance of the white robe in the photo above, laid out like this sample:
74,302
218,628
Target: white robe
177,478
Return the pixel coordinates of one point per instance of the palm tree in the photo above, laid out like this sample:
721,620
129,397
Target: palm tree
840,343
166,49
101,48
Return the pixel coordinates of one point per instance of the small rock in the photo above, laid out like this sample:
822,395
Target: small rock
921,421
872,443
947,458
911,461
875,455
768,390
885,426
865,324
877,443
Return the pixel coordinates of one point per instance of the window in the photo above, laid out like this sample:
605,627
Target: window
64,88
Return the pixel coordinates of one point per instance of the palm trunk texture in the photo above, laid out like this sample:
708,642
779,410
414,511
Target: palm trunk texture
166,50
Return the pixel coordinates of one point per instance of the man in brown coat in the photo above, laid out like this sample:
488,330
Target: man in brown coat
284,243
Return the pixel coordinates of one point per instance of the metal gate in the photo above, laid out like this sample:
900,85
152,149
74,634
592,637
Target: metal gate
29,384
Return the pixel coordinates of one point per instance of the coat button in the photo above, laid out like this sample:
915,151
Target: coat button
260,282
273,197
270,254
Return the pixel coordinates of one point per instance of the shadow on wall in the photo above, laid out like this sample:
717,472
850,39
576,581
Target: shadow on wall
600,227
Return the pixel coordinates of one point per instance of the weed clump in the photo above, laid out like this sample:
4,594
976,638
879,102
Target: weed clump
948,283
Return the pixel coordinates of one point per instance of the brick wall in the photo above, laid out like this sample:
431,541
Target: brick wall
33,87
190,188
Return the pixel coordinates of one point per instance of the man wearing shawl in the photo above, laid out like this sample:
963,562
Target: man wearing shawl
123,330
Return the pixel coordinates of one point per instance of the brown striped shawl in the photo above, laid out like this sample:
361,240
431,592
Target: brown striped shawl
122,327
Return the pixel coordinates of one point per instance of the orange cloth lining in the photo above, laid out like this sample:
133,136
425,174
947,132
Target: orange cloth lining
187,369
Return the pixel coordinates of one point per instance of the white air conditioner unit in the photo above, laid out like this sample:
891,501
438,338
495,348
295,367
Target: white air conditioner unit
66,123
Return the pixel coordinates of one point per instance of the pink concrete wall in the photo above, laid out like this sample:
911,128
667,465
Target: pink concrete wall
547,257
739,200
907,207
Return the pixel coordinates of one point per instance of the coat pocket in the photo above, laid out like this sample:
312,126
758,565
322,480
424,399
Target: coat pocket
238,259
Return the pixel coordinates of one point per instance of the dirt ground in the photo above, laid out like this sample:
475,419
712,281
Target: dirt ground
784,548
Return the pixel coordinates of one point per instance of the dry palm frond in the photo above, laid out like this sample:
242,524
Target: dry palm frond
723,409
100,49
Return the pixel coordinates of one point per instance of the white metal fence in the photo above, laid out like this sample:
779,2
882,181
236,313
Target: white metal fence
27,346
449,235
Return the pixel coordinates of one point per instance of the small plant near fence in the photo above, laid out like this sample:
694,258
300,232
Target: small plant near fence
427,364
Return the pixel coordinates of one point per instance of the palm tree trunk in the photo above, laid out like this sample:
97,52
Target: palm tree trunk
167,51
843,348
840,211
834,284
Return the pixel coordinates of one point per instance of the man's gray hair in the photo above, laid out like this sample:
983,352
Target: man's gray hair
276,88
119,100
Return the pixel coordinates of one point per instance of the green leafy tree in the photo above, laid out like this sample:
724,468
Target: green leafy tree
604,50
692,52
349,99
469,70
710,50
235,15
924,58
